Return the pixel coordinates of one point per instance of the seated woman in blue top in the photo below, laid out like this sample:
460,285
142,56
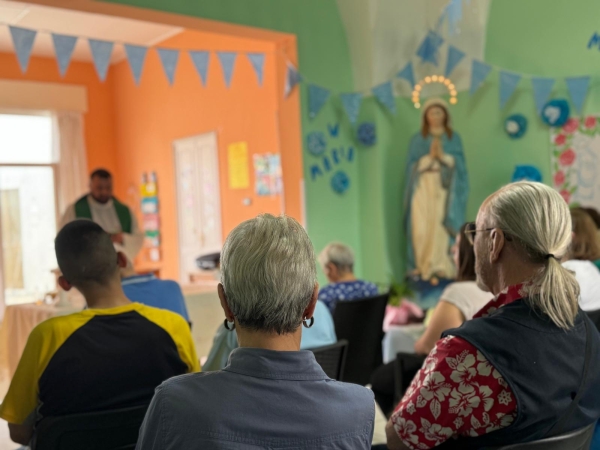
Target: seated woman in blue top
337,261
271,394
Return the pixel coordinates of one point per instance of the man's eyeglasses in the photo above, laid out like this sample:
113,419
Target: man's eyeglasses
471,230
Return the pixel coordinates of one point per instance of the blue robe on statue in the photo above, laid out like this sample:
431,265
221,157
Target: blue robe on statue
454,180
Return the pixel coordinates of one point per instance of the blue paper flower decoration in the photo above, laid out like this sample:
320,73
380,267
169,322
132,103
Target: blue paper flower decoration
526,173
556,112
340,182
366,134
316,143
515,126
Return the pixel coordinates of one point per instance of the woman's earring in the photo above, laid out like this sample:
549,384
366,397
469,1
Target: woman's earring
226,323
312,321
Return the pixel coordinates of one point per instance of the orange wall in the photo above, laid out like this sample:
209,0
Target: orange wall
149,117
99,130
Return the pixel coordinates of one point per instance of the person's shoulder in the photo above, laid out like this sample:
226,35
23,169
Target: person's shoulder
169,284
162,317
60,323
354,395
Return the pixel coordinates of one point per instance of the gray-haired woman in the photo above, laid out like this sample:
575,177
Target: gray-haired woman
271,394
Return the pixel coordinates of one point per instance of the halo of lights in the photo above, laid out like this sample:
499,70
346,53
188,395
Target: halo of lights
440,79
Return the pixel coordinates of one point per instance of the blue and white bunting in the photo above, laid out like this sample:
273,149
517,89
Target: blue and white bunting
385,94
63,49
407,74
508,84
169,58
542,88
101,51
455,56
23,42
258,62
578,88
479,72
227,60
317,97
351,103
428,50
292,78
136,56
200,59
454,11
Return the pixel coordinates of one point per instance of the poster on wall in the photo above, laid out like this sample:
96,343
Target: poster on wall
237,160
575,155
267,171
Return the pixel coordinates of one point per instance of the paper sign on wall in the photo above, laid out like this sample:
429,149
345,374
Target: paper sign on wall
239,171
267,170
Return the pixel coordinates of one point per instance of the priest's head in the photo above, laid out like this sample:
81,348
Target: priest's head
101,185
87,258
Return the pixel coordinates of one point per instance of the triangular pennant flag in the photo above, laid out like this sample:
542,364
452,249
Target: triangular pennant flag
169,58
407,74
136,55
101,51
258,62
454,11
292,78
479,72
23,42
578,88
351,104
317,97
385,94
200,60
227,60
63,48
428,50
508,84
454,57
542,88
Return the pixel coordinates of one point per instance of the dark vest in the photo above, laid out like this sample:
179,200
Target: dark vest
543,365
83,211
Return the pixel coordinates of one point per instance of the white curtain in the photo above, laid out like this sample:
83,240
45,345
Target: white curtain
70,156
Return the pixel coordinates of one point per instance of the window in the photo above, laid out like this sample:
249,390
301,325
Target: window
27,206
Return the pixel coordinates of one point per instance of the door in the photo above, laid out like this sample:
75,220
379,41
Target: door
198,200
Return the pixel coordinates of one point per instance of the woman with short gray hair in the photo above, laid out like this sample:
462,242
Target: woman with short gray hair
271,394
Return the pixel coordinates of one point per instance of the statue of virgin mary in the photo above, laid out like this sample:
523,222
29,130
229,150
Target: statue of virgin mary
436,193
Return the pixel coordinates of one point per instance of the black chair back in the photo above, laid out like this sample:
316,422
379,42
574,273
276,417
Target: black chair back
332,358
406,367
105,430
594,317
575,440
360,322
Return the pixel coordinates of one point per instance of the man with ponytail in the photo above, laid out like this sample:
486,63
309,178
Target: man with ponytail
524,368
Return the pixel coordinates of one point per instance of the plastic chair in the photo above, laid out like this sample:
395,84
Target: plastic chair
332,358
574,440
360,322
105,430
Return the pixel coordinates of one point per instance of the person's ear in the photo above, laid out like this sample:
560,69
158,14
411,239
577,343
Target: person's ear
64,284
497,242
228,314
310,309
121,260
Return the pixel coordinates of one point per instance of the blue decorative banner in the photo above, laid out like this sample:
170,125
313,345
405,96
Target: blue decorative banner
200,60
454,57
101,51
454,11
317,97
385,94
542,88
578,88
351,103
292,78
258,62
63,48
479,72
169,58
136,55
407,74
526,173
428,50
23,42
227,60
508,84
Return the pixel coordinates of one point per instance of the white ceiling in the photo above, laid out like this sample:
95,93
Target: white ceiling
63,21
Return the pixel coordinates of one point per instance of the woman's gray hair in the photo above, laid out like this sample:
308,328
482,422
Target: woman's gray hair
538,218
268,273
338,254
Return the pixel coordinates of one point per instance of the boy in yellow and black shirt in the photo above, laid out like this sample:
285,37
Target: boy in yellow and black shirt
110,356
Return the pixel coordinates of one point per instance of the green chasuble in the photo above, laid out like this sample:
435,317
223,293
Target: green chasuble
83,211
